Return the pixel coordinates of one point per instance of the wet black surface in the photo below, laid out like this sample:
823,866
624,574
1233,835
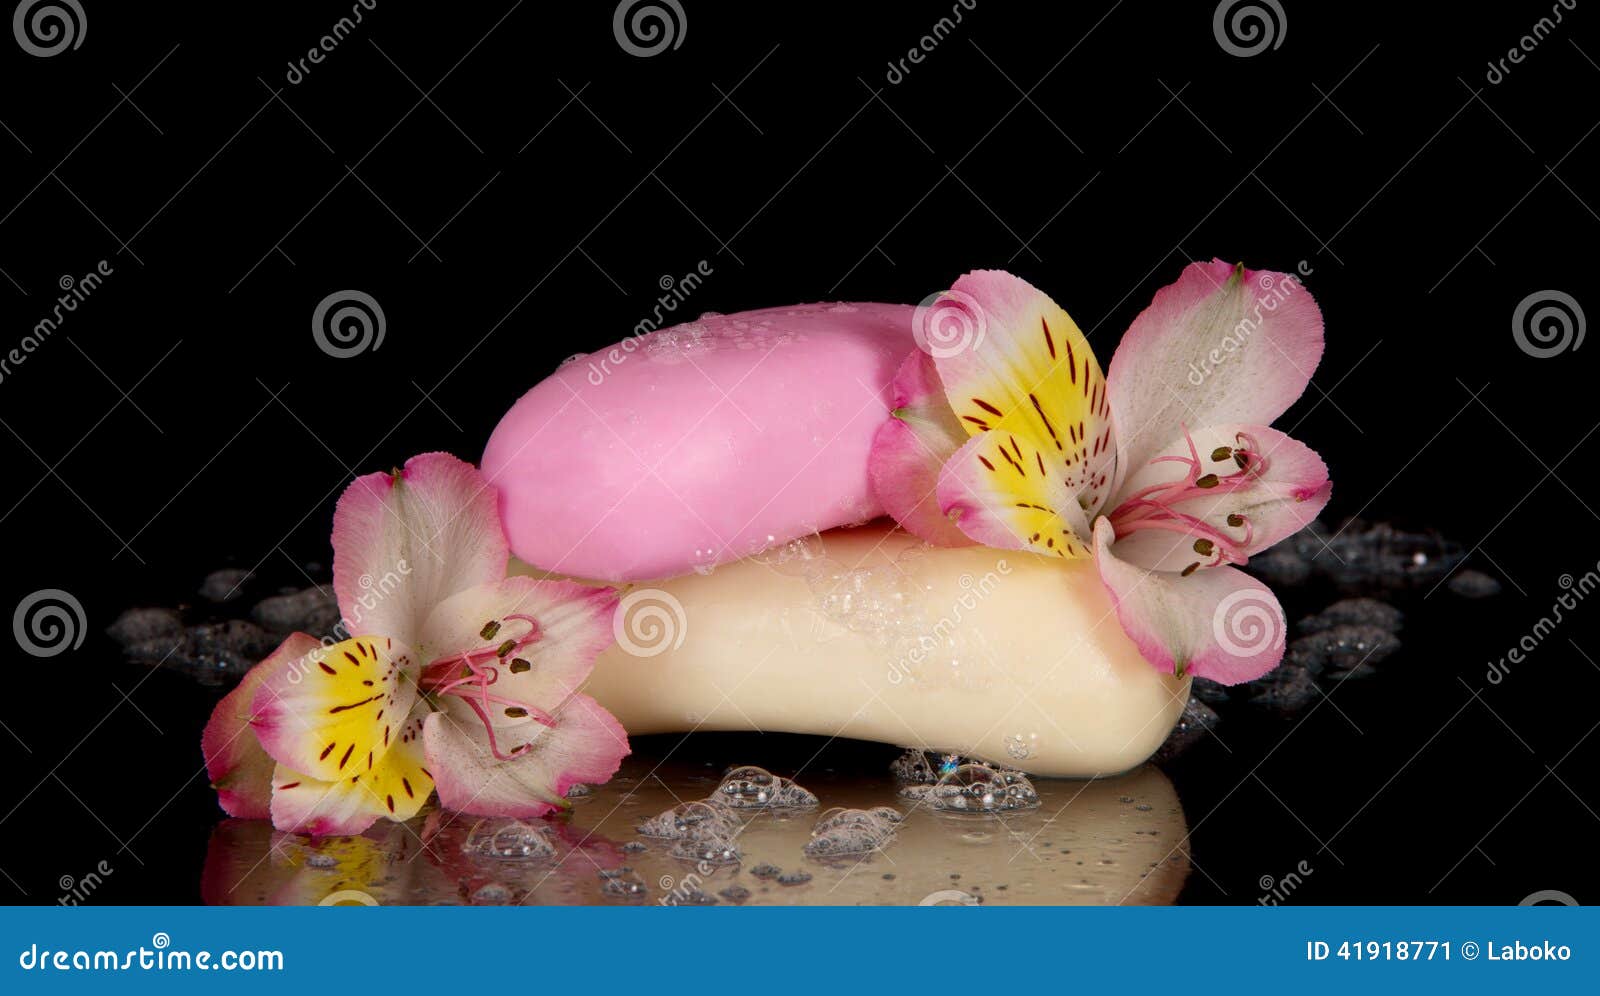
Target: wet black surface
1256,766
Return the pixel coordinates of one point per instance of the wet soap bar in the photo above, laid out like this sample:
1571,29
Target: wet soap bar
868,633
699,444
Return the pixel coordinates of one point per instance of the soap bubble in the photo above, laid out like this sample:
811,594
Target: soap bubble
750,787
852,831
707,851
689,820
979,788
507,840
917,767
622,883
492,894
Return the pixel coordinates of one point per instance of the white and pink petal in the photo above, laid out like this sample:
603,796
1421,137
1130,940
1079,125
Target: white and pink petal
239,769
1264,487
1220,624
586,745
1220,344
405,540
919,436
538,639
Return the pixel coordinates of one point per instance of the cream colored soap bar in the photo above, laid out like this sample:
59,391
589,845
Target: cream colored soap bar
869,633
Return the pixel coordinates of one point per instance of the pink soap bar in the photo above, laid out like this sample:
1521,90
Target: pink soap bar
698,444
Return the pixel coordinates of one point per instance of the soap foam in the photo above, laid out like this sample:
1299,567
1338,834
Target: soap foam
508,840
840,832
750,787
981,788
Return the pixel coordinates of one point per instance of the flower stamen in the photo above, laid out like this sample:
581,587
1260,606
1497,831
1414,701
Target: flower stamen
479,671
1155,507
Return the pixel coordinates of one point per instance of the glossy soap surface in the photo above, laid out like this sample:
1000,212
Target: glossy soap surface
700,443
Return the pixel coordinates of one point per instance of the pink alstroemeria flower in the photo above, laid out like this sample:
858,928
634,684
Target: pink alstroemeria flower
1166,472
463,679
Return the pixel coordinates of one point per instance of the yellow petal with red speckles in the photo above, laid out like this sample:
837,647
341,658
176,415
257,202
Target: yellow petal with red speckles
1003,491
395,787
334,712
1024,367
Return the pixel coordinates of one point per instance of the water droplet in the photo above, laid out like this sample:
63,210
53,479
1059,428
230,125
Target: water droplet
1020,747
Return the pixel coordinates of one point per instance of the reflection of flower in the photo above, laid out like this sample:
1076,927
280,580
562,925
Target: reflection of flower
1021,443
463,679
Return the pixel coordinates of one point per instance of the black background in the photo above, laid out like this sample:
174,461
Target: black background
511,185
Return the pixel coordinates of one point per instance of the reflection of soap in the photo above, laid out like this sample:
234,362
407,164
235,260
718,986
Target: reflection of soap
869,633
701,443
